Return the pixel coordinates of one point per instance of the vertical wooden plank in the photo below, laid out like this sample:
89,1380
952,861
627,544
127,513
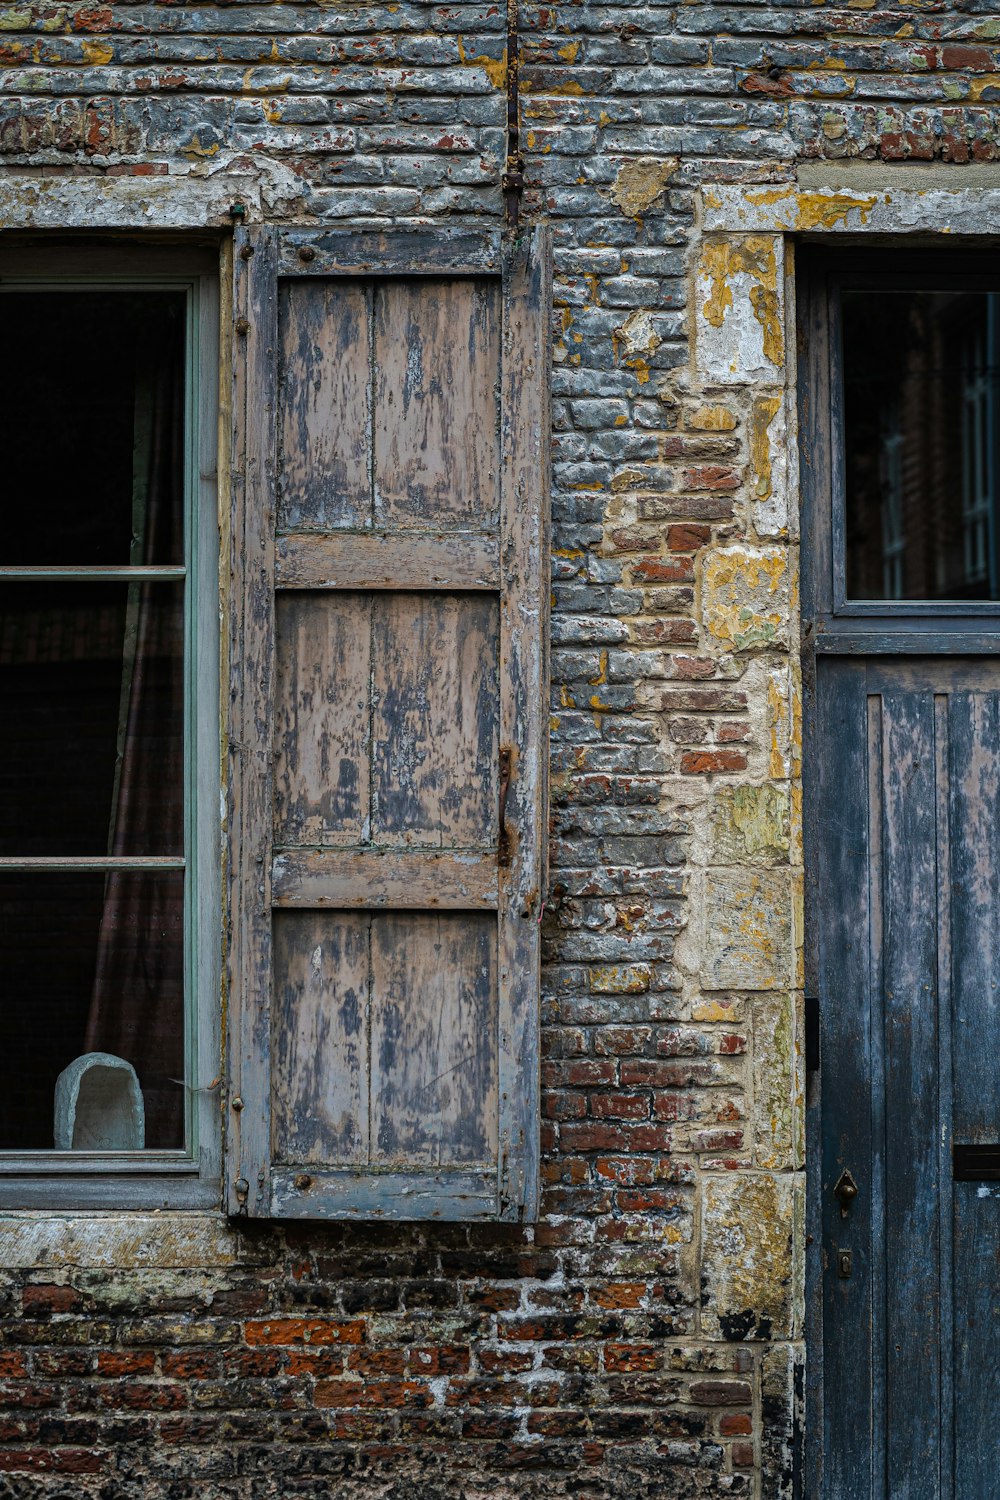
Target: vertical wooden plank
524,555
975,877
437,356
433,1041
322,755
841,814
974,785
320,1077
912,1177
435,720
944,907
325,403
251,663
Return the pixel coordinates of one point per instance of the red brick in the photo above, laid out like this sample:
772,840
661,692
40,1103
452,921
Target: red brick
735,1424
304,1331
711,477
504,1362
663,570
321,1362
710,762
620,1358
665,632
112,1362
688,537
721,1393
619,1106
624,1169
449,1359
144,1397
52,1461
39,1301
623,539
376,1361
620,1294
958,59
190,1364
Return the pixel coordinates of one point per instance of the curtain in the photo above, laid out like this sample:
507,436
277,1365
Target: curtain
137,1003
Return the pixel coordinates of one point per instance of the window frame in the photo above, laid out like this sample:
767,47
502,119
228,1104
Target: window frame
155,1178
837,623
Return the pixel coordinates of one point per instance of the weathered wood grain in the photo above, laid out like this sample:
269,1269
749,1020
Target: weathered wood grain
524,551
376,878
388,560
249,723
408,646
435,437
434,1039
325,402
435,718
439,251
319,1080
423,1194
321,729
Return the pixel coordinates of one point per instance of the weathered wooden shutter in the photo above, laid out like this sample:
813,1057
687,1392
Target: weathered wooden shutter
387,723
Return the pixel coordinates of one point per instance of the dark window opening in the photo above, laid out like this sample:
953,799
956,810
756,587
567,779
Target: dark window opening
92,758
921,377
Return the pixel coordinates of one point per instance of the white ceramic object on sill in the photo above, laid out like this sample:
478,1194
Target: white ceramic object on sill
99,1106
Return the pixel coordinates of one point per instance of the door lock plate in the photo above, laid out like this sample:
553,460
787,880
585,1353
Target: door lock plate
845,1264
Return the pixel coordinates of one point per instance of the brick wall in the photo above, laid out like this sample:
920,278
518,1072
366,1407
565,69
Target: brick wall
644,1339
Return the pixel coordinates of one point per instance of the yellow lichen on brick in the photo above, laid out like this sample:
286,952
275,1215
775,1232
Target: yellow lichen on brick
495,68
97,54
762,414
196,151
819,210
753,256
712,419
746,597
638,334
639,183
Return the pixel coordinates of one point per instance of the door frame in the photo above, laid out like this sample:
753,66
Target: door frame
831,627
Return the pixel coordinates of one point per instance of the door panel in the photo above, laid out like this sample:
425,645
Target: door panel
905,825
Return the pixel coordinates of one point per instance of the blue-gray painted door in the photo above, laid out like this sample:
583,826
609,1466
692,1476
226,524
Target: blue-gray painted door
906,837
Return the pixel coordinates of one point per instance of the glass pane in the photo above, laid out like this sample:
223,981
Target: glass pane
92,707
91,963
920,435
92,427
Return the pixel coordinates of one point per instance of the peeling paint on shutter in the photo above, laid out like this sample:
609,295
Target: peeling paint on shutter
387,771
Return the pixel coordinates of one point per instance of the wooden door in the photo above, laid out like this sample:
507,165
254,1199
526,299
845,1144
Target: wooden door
904,823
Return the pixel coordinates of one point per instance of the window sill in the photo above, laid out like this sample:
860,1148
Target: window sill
153,1241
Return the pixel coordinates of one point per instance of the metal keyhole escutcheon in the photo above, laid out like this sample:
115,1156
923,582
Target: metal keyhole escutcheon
845,1192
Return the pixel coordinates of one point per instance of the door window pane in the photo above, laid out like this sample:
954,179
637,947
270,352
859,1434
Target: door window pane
921,400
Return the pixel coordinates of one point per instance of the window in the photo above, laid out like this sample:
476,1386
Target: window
370,914
387,770
921,388
109,887
901,350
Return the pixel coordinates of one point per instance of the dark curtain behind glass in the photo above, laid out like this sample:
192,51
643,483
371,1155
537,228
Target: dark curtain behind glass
138,994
